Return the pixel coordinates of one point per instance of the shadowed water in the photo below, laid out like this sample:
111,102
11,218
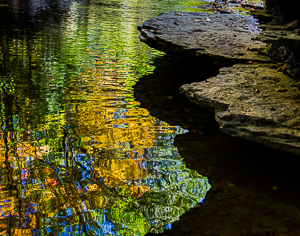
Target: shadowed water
78,155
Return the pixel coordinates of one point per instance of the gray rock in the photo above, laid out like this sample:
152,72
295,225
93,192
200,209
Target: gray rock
254,102
217,36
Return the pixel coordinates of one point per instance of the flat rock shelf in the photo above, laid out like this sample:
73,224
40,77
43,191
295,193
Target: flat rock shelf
226,37
254,102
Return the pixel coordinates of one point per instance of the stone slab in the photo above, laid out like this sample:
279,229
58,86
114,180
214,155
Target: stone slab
226,37
254,102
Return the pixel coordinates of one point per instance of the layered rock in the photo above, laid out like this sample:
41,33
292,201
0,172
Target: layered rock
284,45
278,35
217,36
254,102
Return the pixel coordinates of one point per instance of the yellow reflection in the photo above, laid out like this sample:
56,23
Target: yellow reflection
22,150
21,232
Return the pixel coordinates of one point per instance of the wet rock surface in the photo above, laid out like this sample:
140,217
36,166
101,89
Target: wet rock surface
254,102
217,36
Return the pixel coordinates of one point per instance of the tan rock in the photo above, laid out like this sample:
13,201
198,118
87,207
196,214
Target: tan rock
270,116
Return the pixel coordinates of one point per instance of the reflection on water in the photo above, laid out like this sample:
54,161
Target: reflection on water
78,154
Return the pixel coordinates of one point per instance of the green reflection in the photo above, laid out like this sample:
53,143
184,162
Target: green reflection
78,154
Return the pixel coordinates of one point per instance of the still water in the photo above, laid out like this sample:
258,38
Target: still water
78,155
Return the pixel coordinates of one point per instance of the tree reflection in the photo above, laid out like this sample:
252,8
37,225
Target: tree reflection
78,154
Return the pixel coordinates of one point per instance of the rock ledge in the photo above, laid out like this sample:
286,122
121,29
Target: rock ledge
254,102
217,36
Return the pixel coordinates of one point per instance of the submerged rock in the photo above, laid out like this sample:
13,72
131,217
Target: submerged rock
217,36
254,102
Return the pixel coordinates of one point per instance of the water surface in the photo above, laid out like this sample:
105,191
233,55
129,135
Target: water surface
78,154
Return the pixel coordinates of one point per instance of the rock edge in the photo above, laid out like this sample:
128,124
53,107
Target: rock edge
226,37
254,102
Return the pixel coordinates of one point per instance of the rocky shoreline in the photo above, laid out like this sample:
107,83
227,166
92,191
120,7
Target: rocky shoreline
256,99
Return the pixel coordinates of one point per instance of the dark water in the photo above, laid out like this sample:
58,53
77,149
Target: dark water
254,189
78,154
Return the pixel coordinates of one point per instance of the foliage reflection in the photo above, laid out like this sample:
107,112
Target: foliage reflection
78,154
